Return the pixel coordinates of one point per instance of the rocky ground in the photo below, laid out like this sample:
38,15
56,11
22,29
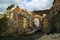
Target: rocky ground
55,36
37,36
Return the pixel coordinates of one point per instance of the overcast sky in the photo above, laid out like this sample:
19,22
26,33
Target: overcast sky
30,5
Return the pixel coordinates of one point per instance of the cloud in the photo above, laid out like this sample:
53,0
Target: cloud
38,4
30,5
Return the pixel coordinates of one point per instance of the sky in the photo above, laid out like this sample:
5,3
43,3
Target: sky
30,5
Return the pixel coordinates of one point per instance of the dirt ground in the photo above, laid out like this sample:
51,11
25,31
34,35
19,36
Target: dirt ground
36,36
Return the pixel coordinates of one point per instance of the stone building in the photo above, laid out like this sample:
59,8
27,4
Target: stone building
20,19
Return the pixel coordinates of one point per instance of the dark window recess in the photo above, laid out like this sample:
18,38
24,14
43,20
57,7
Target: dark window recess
59,11
20,16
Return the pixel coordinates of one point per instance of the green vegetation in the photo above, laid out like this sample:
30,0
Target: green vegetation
1,15
3,24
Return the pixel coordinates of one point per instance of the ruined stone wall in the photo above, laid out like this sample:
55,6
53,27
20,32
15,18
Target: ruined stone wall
56,1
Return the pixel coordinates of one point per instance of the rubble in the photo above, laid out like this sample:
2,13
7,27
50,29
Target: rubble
50,37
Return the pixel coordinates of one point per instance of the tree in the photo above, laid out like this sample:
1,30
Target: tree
10,7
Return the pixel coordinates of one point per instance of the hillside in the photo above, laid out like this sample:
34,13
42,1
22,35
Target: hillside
41,12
